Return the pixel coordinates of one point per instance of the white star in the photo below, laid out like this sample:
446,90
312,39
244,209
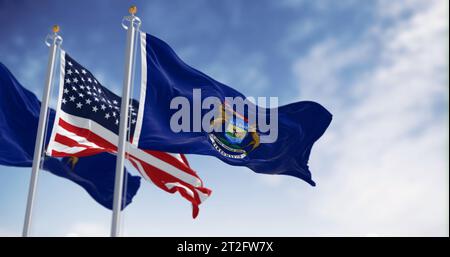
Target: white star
88,87
75,80
99,90
67,80
74,89
94,109
82,87
79,105
116,107
81,95
115,102
95,81
82,79
133,121
88,101
117,121
83,71
64,100
103,107
114,114
89,80
76,71
96,99
107,116
110,106
109,102
134,114
89,93
69,63
72,98
69,72
103,99
66,91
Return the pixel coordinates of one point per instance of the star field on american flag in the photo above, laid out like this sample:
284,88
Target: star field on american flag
84,96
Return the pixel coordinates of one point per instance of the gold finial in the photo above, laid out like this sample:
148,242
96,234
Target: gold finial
132,10
55,29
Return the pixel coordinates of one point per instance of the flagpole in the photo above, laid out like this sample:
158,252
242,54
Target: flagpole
134,23
54,44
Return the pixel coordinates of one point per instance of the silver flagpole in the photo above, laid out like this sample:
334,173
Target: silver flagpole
54,42
133,27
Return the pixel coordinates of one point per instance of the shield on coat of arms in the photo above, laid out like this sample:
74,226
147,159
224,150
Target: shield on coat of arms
236,130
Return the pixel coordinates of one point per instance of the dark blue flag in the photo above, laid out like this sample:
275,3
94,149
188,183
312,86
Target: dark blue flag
19,116
166,76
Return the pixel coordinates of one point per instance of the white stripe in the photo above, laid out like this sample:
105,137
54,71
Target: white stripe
166,167
66,149
91,125
77,138
178,157
201,195
58,103
143,90
176,184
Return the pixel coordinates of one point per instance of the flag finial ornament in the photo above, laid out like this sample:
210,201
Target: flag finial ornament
55,28
132,10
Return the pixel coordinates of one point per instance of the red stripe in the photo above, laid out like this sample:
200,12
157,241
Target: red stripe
183,157
70,142
84,153
151,171
64,140
133,162
88,134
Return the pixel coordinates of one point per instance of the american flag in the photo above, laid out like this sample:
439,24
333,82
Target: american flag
87,123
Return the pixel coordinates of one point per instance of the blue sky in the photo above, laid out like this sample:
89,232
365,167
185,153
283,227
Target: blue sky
381,68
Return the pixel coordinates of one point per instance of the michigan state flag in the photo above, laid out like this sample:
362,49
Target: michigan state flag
174,96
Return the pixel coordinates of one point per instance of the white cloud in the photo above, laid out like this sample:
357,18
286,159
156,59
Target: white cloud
7,233
320,74
227,69
30,71
271,181
386,150
317,5
87,229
